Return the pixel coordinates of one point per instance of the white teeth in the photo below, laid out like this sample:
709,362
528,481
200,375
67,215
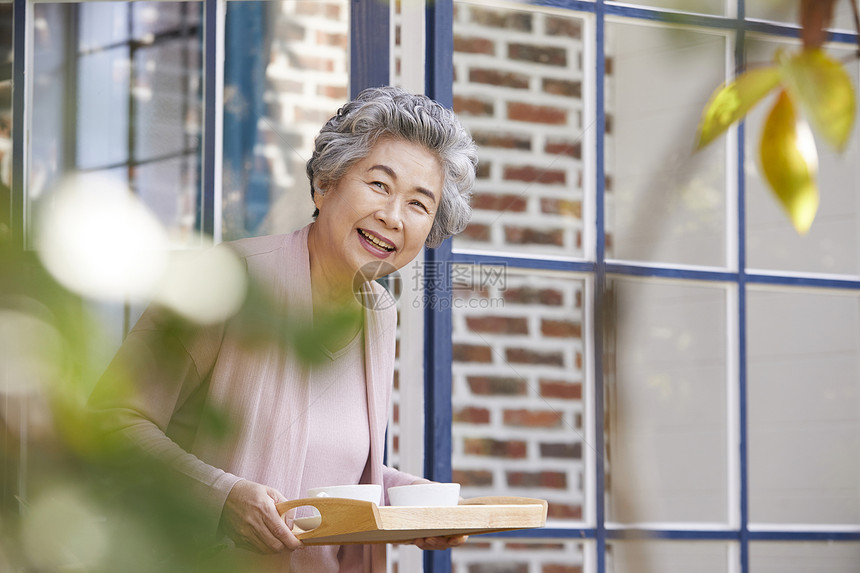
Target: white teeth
377,242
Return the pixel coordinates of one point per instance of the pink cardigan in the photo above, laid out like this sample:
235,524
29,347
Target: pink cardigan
262,390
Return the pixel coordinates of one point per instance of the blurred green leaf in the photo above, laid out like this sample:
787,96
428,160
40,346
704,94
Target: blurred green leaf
790,162
824,89
732,101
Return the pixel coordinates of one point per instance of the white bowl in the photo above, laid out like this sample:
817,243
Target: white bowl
425,494
363,492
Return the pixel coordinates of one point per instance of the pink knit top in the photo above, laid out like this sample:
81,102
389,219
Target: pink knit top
281,437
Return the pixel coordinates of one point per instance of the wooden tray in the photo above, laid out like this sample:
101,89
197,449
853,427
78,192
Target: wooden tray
345,521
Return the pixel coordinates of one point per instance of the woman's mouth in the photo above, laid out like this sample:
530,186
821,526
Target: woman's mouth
375,242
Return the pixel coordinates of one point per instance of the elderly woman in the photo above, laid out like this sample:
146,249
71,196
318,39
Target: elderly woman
390,173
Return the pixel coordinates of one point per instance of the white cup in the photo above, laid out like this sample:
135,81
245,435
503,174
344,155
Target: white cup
425,494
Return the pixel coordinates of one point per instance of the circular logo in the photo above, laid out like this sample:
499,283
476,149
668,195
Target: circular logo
386,275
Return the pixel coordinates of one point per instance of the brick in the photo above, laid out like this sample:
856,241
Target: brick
547,479
514,449
470,415
563,207
280,85
608,65
474,45
529,236
564,511
526,356
561,328
332,39
483,170
572,451
568,27
305,115
309,8
465,291
547,55
499,78
332,11
496,386
567,88
474,478
571,149
608,124
304,62
498,324
472,106
532,174
333,92
560,389
502,140
472,353
560,568
532,295
533,418
494,202
520,21
518,111
476,232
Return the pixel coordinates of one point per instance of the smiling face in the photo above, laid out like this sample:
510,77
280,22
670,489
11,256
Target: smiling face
381,210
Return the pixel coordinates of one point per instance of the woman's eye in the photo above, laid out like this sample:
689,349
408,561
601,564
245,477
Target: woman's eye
421,205
379,185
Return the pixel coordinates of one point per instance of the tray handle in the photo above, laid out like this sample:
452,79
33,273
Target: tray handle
338,515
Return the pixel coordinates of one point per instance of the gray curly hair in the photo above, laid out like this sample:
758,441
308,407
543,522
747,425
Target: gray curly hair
350,135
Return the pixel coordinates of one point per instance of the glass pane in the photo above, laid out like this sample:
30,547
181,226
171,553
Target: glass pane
695,6
796,557
49,153
663,203
166,99
6,51
666,403
788,13
485,555
804,396
832,245
518,89
135,108
668,556
102,108
151,18
285,74
518,376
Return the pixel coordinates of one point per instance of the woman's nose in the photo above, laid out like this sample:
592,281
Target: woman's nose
389,214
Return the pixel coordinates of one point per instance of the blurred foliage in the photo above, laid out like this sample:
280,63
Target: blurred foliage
811,87
74,498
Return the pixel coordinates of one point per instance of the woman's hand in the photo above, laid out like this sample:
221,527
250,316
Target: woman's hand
428,543
251,520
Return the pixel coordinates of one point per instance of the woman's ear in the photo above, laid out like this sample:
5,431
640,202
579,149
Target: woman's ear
319,195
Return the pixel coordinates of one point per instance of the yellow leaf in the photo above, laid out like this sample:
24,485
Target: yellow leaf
732,101
790,162
824,89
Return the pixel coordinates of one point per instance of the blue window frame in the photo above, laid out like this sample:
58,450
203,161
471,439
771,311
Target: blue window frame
438,322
